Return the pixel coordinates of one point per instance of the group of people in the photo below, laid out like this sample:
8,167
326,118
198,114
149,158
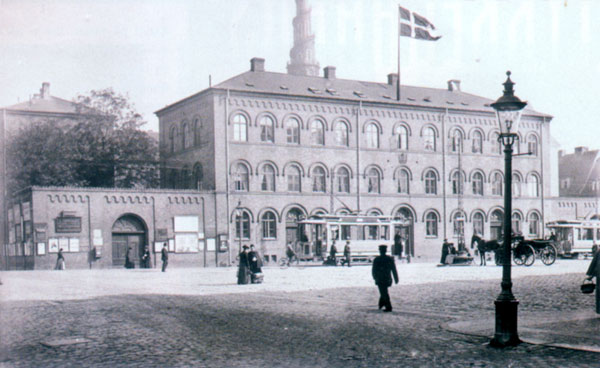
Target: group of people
332,259
250,266
144,260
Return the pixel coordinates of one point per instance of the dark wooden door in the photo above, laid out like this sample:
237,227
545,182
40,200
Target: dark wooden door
120,244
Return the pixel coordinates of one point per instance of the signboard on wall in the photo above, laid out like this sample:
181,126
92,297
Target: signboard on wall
185,224
162,235
40,231
67,224
186,243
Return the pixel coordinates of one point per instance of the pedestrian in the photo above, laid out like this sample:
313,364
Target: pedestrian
398,246
446,249
594,271
60,261
129,258
383,269
254,260
164,257
290,253
243,267
332,254
347,253
146,257
92,256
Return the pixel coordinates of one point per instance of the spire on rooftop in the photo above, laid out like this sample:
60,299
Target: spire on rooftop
302,55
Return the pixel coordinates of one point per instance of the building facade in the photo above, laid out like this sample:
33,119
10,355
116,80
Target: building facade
277,148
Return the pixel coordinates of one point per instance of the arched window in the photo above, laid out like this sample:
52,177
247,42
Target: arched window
458,222
318,179
173,139
267,178
496,143
497,184
401,134
242,225
431,224
269,225
429,139
516,186
267,126
534,224
430,182
196,128
198,177
457,141
188,136
292,130
184,180
533,185
341,134
240,128
478,224
477,142
403,181
477,182
373,181
457,183
317,132
293,179
343,180
532,144
496,224
516,223
240,178
372,135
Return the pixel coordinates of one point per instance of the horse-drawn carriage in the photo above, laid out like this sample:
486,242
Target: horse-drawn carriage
524,251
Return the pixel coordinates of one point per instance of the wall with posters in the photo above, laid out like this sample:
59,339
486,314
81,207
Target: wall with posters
111,223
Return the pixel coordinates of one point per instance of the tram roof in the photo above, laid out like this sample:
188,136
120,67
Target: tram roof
566,223
353,219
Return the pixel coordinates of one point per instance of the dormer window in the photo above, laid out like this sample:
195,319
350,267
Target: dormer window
331,91
359,94
314,90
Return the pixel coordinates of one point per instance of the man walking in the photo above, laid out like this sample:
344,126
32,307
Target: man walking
347,254
398,244
382,271
164,257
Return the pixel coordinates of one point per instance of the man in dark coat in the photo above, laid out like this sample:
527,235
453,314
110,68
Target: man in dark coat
254,260
398,244
332,253
129,258
146,258
446,249
244,267
382,271
164,257
347,254
594,271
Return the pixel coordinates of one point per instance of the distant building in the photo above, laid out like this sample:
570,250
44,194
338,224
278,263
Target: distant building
579,173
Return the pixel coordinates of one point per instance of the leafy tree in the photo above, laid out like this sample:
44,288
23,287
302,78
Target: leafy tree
103,148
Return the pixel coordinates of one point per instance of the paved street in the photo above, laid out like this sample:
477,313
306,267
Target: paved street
300,317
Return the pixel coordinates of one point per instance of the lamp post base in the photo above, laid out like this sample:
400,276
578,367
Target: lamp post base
506,324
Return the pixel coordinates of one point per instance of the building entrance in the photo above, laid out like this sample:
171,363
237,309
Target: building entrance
407,231
496,222
128,232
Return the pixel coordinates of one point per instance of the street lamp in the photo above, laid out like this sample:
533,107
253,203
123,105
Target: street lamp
508,111
238,213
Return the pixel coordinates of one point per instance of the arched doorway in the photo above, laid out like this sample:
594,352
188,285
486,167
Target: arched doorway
128,231
294,232
406,231
496,221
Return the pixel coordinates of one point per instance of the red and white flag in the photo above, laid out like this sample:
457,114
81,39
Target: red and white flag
416,26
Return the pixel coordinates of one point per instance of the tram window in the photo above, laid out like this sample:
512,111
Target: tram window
335,234
346,234
597,234
373,232
588,234
385,231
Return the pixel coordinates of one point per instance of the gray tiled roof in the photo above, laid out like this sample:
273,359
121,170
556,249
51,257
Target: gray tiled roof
46,105
307,86
581,168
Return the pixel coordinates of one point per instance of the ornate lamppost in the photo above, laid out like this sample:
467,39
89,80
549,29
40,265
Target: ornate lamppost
508,111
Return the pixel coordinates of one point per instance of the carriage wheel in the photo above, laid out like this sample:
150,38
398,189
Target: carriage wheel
549,255
529,254
517,258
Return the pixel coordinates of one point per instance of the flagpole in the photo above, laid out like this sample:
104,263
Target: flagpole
399,35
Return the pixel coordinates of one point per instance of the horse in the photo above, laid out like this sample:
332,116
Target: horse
484,246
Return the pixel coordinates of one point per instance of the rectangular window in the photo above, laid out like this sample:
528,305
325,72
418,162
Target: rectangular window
293,182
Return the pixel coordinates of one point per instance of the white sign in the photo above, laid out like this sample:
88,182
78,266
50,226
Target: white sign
63,243
74,245
52,245
41,249
210,244
186,224
186,243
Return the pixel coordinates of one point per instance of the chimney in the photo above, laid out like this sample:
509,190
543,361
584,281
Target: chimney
561,153
329,72
257,64
392,79
454,85
580,150
45,90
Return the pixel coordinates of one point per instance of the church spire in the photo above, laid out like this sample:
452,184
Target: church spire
302,55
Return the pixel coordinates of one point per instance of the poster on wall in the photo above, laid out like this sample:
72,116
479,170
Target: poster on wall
53,245
210,244
186,243
158,246
63,243
171,245
41,249
74,245
185,224
97,239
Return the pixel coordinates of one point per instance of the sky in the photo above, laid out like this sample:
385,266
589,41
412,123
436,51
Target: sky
158,52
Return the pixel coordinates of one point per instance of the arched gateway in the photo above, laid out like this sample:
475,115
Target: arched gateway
128,231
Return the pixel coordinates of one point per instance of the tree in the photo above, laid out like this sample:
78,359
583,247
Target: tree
104,147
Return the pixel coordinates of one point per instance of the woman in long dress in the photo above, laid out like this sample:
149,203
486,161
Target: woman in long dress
244,267
594,271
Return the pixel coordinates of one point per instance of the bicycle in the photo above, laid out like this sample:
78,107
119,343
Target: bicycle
286,262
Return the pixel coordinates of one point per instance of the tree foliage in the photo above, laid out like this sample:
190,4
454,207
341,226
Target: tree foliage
104,147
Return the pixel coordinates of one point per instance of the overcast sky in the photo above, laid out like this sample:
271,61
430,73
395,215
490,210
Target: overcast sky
162,51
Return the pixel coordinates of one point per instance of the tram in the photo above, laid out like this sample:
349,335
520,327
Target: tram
365,233
575,238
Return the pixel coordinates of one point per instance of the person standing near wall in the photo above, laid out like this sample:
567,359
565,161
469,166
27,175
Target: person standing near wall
164,257
347,253
60,260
